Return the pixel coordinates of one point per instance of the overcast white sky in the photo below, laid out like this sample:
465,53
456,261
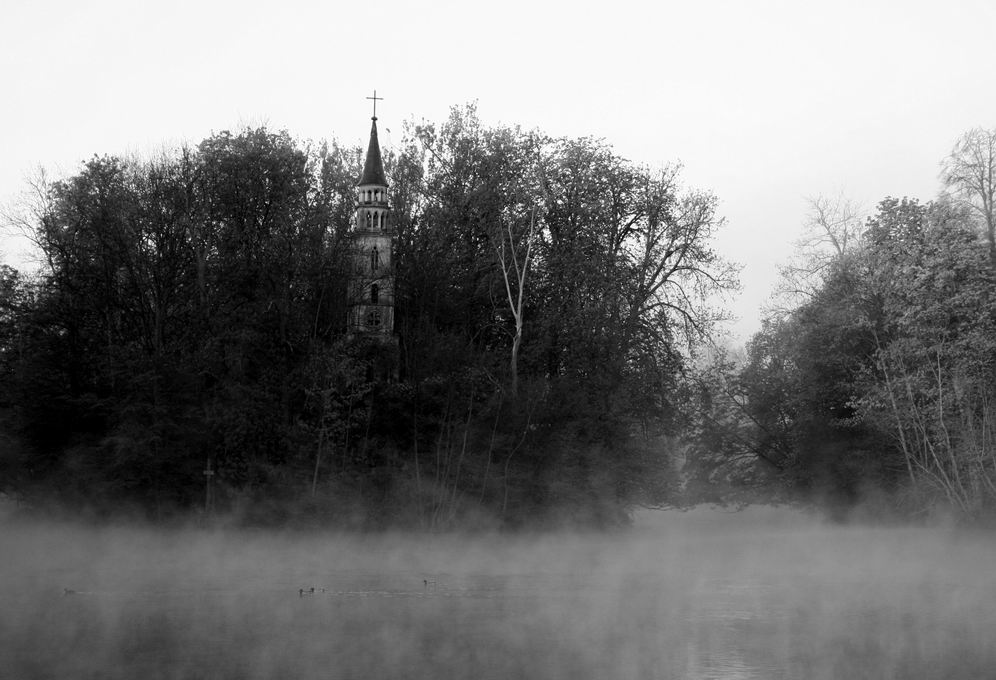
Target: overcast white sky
765,103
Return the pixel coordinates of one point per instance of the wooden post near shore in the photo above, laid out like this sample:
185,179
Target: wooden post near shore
208,496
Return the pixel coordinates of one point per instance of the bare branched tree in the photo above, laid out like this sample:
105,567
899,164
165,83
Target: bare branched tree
969,172
20,219
831,229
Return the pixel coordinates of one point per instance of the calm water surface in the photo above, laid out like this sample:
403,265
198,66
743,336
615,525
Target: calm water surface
699,595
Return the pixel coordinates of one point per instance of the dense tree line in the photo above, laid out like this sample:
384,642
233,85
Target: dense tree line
876,376
191,313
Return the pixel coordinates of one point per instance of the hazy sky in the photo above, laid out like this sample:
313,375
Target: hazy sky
765,103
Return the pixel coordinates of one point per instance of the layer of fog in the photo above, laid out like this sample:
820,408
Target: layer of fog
760,594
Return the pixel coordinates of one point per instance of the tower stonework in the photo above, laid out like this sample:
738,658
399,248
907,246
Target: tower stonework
371,283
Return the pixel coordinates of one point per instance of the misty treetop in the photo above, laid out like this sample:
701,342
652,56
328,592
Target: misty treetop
192,311
874,376
551,299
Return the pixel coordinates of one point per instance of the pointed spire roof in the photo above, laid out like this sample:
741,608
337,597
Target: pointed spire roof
373,169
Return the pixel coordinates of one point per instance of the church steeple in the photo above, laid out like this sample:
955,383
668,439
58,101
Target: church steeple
373,168
371,285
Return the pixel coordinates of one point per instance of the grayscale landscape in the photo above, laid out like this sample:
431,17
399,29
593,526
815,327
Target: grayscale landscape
763,594
513,340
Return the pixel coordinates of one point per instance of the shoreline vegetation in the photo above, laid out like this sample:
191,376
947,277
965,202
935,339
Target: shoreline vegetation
182,353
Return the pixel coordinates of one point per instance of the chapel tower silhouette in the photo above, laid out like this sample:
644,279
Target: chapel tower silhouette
371,284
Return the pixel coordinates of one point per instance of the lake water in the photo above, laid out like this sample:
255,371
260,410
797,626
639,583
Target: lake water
763,594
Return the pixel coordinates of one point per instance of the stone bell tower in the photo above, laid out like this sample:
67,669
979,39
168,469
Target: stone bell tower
371,284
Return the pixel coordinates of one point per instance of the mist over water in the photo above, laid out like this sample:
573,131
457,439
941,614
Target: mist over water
704,594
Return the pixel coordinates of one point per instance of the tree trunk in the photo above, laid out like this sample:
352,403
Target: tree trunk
318,460
515,357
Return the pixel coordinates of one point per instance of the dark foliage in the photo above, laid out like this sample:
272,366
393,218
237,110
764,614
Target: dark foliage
191,317
877,389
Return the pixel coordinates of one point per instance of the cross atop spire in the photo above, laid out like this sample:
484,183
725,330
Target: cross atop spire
375,99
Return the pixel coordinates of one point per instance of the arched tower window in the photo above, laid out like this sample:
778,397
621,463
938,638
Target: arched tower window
374,259
374,294
369,220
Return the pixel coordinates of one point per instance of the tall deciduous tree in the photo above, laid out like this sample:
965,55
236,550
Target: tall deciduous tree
514,257
882,379
832,228
194,309
970,173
